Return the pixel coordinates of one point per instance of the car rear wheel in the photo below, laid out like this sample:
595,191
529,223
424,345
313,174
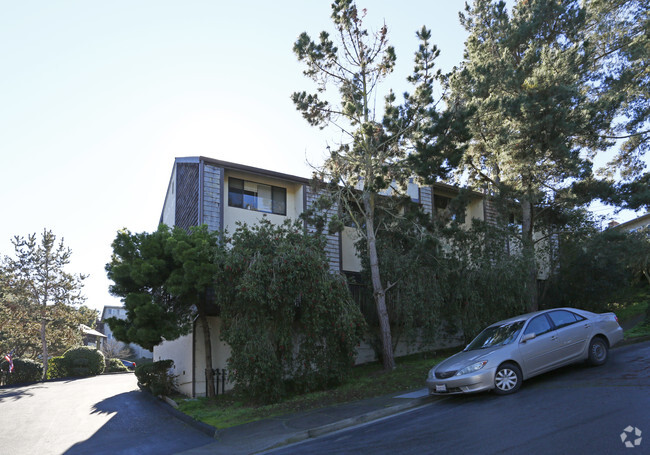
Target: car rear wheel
598,351
507,379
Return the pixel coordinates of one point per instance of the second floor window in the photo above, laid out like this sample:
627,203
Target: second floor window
441,203
257,196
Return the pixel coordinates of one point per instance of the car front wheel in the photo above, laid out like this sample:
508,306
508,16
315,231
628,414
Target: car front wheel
598,352
507,379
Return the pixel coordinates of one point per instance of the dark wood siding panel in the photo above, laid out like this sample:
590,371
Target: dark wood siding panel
187,195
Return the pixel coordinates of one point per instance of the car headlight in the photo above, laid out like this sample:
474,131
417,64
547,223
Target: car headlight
472,368
431,373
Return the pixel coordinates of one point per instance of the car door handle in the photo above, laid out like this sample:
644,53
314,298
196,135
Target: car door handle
554,338
587,326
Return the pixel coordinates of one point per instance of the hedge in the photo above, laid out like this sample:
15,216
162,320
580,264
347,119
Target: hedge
84,361
115,366
156,377
57,368
25,370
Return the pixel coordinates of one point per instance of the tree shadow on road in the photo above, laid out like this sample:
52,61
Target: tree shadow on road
16,393
137,425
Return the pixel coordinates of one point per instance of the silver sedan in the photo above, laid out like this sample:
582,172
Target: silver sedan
510,351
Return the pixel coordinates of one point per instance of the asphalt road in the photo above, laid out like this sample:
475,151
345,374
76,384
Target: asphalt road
576,410
106,414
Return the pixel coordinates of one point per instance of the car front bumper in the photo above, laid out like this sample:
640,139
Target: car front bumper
469,383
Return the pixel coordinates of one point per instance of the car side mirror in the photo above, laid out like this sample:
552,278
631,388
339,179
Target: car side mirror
527,337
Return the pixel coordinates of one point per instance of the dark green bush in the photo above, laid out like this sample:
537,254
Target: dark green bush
84,361
156,377
284,314
25,370
57,367
115,366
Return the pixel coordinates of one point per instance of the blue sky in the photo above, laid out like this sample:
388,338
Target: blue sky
97,98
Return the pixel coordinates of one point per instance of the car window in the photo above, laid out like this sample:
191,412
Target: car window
496,336
538,325
562,318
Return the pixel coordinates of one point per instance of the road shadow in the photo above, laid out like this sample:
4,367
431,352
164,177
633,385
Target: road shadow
13,393
137,425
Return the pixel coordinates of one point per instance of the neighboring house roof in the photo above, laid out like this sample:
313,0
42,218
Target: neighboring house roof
88,331
643,220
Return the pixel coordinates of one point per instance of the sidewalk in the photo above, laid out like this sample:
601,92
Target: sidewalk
275,432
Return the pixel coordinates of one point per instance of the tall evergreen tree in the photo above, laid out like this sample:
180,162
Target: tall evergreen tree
618,33
38,285
372,157
537,117
164,279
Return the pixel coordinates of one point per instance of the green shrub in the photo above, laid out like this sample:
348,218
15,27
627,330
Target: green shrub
84,361
284,314
57,367
156,376
25,370
115,366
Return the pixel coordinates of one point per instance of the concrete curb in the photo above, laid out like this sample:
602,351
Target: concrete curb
634,340
368,417
352,421
166,404
299,436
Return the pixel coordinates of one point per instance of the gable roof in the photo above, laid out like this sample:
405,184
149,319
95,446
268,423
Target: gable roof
643,220
88,331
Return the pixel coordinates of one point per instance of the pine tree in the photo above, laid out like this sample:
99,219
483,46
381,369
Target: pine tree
164,279
617,31
39,285
537,114
372,158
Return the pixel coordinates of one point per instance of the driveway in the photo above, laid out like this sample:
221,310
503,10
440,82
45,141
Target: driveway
105,414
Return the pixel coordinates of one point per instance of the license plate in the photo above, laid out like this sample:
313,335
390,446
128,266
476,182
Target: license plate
441,388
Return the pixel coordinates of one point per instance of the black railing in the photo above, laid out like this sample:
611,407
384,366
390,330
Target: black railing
219,375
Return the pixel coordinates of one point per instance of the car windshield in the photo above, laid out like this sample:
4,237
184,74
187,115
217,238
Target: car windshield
497,335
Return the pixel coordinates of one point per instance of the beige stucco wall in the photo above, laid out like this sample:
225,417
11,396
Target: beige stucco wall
366,354
234,214
180,351
474,211
220,354
350,260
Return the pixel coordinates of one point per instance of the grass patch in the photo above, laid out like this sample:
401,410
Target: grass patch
625,312
366,381
640,330
632,304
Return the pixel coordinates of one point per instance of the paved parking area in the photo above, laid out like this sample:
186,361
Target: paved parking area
105,414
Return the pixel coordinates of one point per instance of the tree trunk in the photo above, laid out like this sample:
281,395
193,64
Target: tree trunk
528,248
209,382
378,290
44,342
